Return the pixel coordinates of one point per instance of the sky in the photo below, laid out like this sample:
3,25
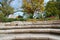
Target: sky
16,3
46,1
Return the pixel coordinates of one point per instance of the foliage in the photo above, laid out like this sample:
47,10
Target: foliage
53,9
30,6
12,19
55,18
1,16
7,20
31,16
6,8
20,19
58,7
19,16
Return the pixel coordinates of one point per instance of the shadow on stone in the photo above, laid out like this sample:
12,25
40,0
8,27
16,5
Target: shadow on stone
34,39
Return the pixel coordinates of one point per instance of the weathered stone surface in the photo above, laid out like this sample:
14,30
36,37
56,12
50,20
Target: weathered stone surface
28,36
19,23
30,31
22,30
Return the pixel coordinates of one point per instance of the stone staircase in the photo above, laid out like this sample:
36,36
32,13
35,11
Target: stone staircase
30,31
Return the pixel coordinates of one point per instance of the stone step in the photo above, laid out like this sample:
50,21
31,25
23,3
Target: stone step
16,24
40,30
30,26
19,23
28,36
30,31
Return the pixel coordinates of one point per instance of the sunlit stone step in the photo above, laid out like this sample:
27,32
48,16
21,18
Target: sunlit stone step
40,30
30,31
19,23
28,36
31,26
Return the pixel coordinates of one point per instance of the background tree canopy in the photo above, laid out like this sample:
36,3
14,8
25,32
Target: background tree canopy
53,9
5,8
30,6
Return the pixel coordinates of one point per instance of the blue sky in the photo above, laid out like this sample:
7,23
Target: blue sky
16,3
46,1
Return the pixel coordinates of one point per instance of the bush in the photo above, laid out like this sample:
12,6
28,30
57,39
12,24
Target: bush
8,19
12,19
1,16
20,19
31,16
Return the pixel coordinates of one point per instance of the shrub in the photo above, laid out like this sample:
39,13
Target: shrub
20,19
1,16
8,19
